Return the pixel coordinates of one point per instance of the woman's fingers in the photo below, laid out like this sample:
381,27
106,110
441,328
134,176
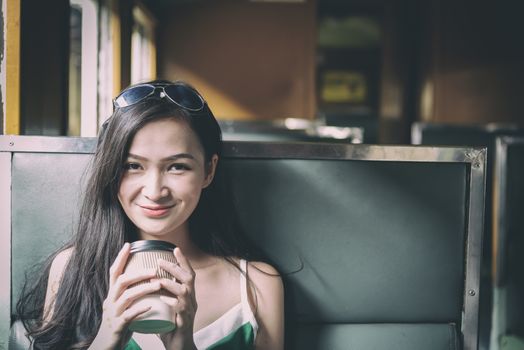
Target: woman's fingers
183,300
176,271
118,313
132,294
182,270
171,301
125,280
132,313
175,288
120,322
183,262
181,286
118,265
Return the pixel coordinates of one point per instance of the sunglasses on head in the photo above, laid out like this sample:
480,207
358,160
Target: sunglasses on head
179,94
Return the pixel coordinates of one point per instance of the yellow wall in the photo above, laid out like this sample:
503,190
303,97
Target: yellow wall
12,67
250,60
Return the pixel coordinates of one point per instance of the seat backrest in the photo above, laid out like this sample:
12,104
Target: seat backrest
423,133
368,122
478,135
379,246
278,131
508,192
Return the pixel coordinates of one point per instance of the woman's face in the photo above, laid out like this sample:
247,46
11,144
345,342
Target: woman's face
163,177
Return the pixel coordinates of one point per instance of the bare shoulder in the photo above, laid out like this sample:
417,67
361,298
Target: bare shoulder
267,299
267,290
264,275
59,263
55,275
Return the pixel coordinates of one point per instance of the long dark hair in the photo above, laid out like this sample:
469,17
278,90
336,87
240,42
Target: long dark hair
103,227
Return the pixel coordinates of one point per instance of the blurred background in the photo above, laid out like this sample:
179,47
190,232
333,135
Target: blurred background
380,65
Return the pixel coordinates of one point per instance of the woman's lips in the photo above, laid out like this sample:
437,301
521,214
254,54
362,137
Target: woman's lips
155,211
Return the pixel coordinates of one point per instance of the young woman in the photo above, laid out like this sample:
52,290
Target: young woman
156,175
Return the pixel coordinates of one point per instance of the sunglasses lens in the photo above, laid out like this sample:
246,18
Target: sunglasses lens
184,97
133,95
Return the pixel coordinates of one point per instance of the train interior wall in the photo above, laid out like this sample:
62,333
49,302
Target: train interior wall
441,61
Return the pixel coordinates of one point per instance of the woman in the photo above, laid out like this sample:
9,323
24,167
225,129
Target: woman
156,176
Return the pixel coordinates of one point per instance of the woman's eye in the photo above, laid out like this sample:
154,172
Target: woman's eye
178,167
132,166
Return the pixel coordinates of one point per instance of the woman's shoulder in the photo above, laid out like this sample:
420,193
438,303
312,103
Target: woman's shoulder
55,276
260,267
60,261
57,268
265,278
267,301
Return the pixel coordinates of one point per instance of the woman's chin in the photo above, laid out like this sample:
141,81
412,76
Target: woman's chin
152,234
166,231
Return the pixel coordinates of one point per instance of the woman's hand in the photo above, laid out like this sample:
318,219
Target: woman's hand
118,308
184,304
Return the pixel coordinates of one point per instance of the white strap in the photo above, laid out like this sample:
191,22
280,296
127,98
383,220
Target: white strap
243,284
148,341
244,299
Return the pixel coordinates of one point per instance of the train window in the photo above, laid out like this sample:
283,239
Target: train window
75,58
108,59
83,68
143,50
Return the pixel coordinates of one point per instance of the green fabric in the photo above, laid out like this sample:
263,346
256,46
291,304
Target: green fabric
132,345
241,339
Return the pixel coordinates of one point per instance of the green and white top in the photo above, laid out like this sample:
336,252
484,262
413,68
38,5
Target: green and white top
236,329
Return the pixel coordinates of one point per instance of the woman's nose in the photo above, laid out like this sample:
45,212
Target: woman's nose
153,187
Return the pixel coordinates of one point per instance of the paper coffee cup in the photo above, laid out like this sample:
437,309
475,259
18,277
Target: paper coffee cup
144,255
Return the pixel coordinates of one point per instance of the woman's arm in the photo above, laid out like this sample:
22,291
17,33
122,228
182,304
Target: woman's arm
267,298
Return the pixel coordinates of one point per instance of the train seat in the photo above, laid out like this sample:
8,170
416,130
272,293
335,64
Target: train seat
379,246
508,192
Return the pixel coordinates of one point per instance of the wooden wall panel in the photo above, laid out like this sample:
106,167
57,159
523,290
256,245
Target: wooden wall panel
251,60
476,62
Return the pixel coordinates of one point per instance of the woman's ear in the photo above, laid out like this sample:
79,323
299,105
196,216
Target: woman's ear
210,170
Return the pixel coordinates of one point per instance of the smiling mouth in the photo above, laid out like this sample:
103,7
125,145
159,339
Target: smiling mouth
155,211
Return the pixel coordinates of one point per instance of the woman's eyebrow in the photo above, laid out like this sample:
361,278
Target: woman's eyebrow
173,157
180,155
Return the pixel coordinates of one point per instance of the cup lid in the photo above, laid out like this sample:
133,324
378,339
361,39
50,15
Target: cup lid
145,245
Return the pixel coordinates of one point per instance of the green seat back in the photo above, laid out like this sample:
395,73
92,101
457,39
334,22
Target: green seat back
509,256
378,245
